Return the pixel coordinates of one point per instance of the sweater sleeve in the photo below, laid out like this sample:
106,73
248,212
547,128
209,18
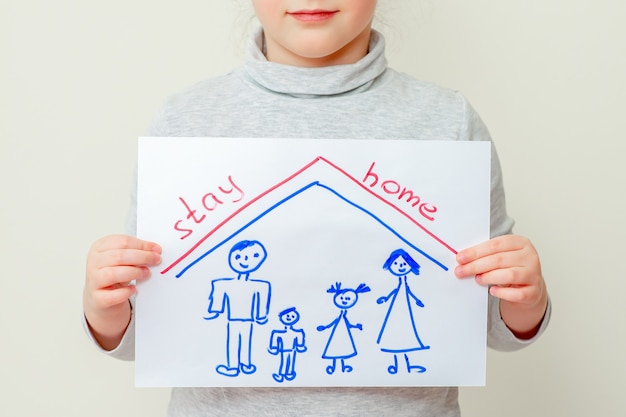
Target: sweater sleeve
499,336
126,349
474,129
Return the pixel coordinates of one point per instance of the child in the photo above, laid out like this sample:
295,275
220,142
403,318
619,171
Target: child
287,342
316,69
340,343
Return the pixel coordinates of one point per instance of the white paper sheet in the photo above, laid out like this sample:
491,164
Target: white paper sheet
274,255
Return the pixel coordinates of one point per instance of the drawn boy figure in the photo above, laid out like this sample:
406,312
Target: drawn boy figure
287,342
245,301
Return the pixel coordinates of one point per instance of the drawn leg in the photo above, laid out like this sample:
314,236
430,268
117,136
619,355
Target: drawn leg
233,347
232,352
245,354
344,367
330,369
290,369
282,369
393,369
411,368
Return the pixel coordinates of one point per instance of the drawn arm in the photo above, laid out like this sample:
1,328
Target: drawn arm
276,342
384,299
217,301
321,327
417,300
262,300
300,344
353,326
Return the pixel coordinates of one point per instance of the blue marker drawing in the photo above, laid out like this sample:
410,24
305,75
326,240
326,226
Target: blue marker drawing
340,343
295,194
245,301
325,163
287,342
399,319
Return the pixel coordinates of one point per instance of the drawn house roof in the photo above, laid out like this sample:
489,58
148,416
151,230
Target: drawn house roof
323,174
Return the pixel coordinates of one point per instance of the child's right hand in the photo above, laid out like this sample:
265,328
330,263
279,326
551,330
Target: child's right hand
113,263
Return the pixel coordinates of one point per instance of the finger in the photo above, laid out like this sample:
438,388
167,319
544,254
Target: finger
114,296
512,294
114,277
506,243
486,264
124,257
514,276
124,242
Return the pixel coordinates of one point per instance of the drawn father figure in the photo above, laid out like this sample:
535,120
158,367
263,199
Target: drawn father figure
245,301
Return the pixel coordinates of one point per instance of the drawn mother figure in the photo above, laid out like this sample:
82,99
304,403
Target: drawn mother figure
398,334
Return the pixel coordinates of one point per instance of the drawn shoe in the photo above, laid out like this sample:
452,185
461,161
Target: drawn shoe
247,369
226,371
410,368
290,377
278,377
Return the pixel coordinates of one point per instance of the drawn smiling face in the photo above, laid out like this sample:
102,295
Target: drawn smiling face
399,266
345,299
247,259
289,317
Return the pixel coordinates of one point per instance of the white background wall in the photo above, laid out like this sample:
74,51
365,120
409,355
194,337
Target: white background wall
79,81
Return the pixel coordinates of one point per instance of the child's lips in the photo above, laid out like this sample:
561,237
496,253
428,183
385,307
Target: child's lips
313,15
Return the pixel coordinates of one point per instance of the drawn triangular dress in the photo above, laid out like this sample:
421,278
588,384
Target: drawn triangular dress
398,332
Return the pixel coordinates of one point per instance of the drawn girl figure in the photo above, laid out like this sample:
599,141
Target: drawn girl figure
340,344
399,319
286,342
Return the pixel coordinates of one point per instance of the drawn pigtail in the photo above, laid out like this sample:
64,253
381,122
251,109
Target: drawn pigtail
362,288
334,289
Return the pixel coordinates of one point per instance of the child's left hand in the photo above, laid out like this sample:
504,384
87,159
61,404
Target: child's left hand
510,265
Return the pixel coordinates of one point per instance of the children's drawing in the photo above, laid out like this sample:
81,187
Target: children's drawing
340,343
286,342
321,208
298,180
399,318
245,301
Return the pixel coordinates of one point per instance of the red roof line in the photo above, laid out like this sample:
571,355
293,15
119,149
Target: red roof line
286,180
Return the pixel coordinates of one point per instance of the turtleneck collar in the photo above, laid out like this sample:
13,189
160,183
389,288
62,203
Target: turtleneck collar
315,82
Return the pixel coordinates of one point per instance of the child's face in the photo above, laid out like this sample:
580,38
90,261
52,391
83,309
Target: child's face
345,299
315,33
291,317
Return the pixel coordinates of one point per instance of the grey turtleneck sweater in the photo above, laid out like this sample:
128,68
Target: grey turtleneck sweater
364,100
